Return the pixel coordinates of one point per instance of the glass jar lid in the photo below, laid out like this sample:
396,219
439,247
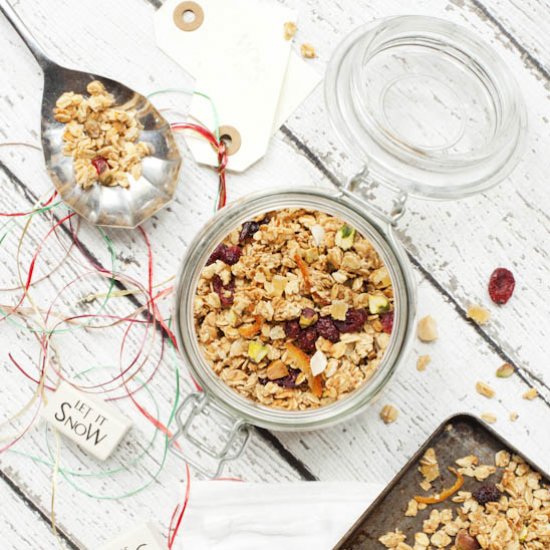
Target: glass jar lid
429,108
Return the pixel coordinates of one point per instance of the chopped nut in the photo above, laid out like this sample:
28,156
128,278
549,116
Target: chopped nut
257,351
427,329
389,414
345,237
307,51
422,362
505,371
378,304
485,390
338,310
276,369
290,30
490,418
318,363
478,314
531,394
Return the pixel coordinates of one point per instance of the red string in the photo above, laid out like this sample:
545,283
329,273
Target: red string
20,214
173,529
219,147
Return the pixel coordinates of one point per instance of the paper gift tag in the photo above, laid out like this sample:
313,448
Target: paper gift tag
143,537
93,424
239,57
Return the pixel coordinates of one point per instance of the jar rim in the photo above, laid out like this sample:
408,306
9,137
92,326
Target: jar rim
444,172
216,230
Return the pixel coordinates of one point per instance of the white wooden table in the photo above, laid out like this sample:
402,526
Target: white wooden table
453,246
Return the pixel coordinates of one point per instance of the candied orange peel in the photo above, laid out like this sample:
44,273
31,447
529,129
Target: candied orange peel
249,331
304,270
301,359
446,493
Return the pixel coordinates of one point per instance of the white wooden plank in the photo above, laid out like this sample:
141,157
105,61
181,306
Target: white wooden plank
363,448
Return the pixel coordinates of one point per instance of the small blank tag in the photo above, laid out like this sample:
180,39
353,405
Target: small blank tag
143,537
93,424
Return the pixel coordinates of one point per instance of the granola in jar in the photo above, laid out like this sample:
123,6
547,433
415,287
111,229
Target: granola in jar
293,309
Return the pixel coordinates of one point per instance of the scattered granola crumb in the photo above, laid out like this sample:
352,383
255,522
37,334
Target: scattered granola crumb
389,414
429,467
490,418
290,29
307,51
422,362
531,394
505,371
393,539
412,508
514,416
425,485
427,329
484,389
478,314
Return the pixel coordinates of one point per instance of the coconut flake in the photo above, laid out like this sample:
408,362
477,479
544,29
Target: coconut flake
318,233
318,363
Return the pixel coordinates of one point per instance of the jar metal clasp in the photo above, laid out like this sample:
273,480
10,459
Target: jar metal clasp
208,455
354,188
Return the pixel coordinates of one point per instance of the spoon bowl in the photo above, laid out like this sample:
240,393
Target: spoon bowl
99,204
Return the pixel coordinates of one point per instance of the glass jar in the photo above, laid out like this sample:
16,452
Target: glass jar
393,89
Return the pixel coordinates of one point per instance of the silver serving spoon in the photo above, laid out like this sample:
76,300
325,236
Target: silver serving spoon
107,206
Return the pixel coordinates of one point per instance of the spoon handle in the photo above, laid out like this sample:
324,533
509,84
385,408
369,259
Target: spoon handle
25,34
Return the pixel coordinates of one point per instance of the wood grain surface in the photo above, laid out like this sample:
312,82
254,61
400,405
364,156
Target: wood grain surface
453,248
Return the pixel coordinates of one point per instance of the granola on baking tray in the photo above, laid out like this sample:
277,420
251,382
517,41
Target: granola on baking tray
293,309
508,509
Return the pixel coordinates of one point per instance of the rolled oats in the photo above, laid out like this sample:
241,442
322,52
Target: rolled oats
531,394
484,389
389,414
101,137
273,282
422,362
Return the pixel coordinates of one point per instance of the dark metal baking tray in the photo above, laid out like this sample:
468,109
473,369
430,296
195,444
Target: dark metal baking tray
459,436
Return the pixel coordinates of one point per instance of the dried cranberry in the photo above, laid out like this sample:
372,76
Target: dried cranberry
487,493
327,329
501,285
386,319
306,339
292,328
355,319
288,381
227,254
248,230
100,164
225,292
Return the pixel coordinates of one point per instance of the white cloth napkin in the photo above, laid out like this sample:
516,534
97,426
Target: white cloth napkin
232,515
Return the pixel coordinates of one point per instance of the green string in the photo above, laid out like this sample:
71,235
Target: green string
214,114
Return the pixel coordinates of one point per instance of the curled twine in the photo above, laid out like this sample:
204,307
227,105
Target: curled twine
44,334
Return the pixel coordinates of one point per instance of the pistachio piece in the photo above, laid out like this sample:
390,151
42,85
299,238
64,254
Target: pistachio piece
257,351
345,237
308,317
378,304
505,371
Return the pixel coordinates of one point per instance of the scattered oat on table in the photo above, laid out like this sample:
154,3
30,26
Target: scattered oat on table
484,389
478,314
290,29
422,362
513,416
307,51
389,414
531,394
101,137
490,418
427,329
294,309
